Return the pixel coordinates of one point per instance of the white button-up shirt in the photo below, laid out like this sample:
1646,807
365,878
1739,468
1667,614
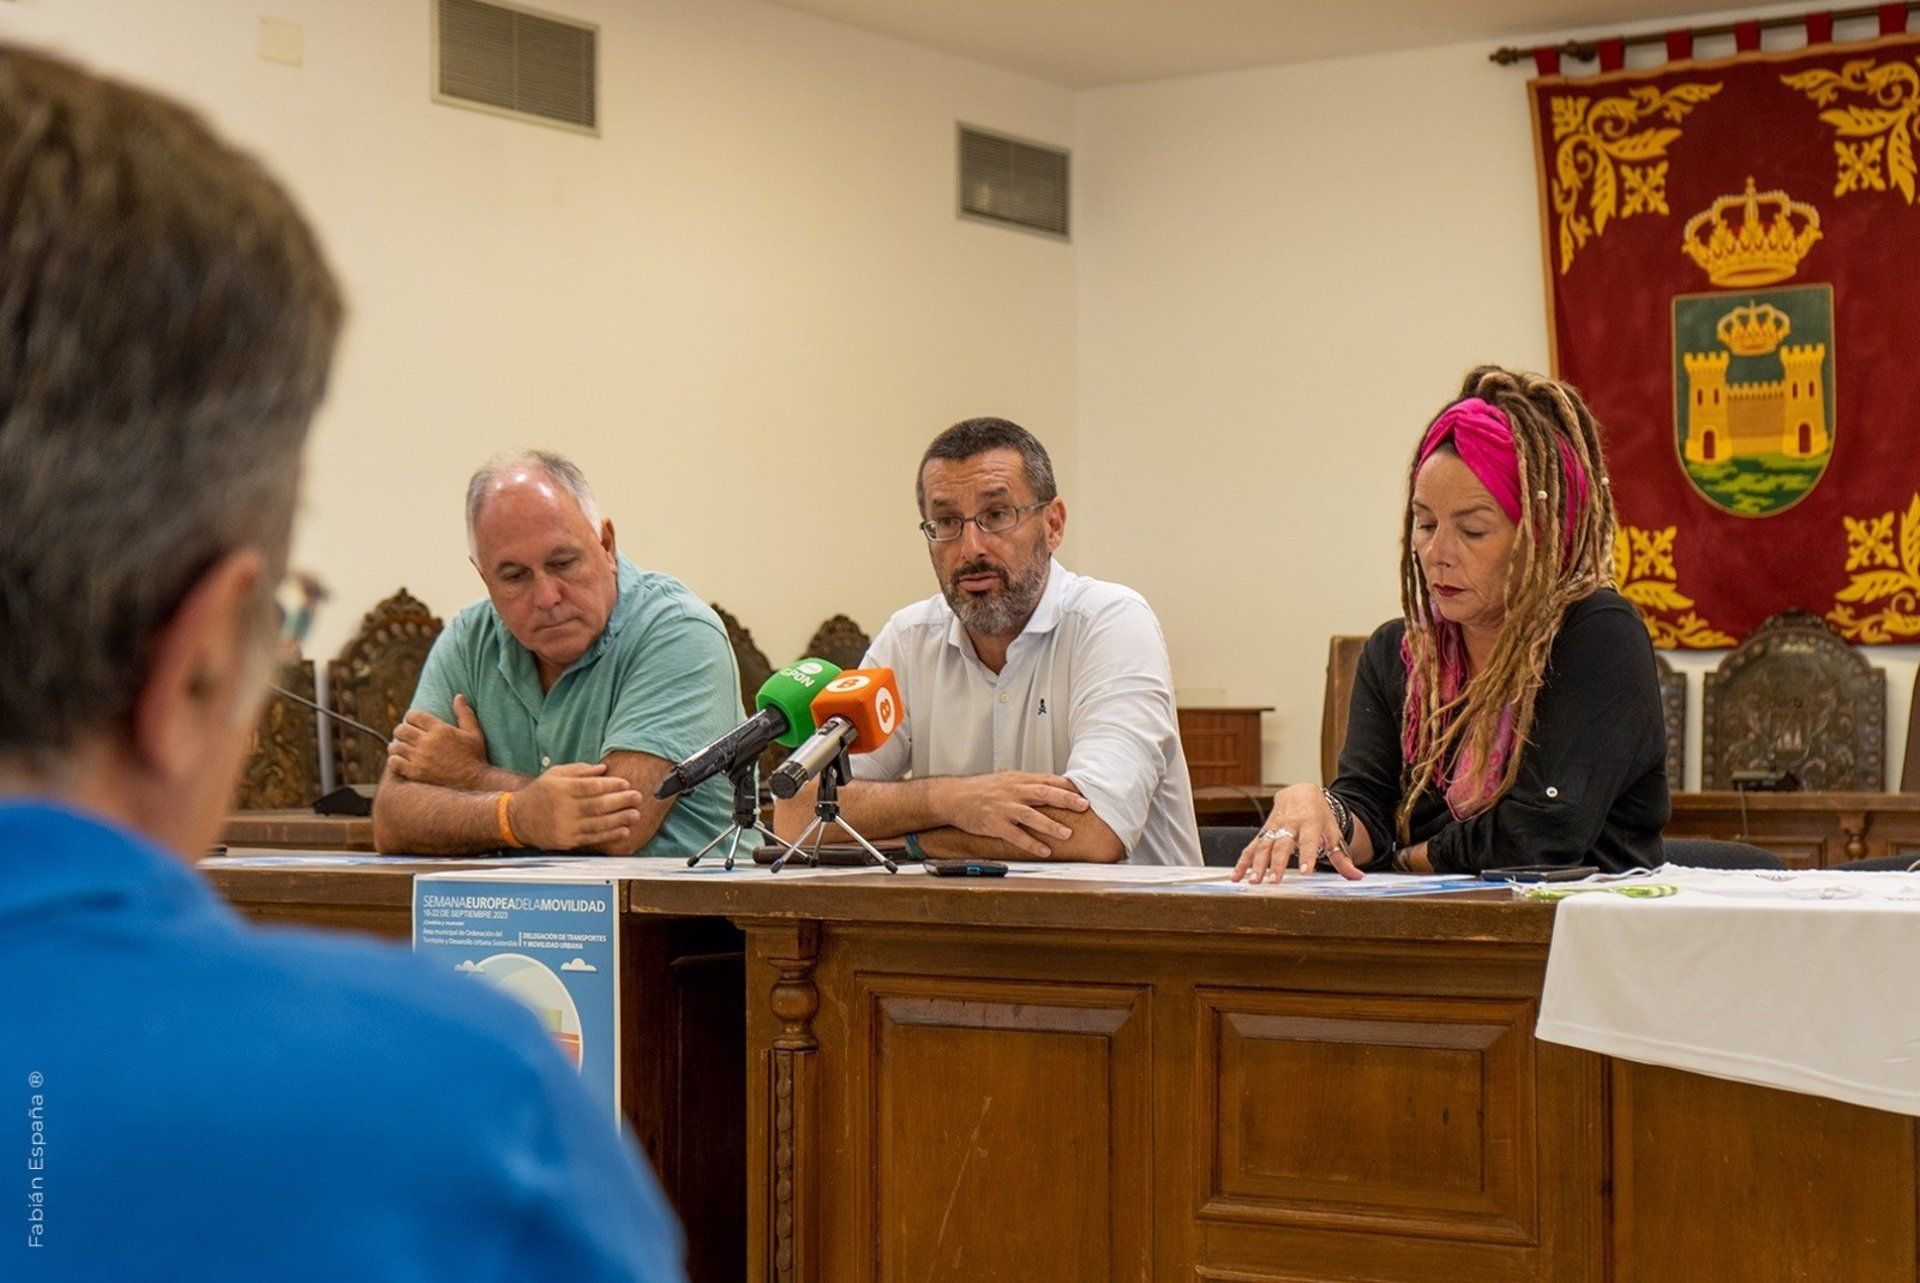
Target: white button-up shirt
1086,693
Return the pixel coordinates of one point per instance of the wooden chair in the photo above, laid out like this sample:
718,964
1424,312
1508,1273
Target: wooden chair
754,671
747,657
283,757
1222,745
1673,711
1796,697
1343,657
1221,844
1716,853
840,641
372,681
1910,765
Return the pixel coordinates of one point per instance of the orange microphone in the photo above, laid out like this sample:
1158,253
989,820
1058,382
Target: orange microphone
857,712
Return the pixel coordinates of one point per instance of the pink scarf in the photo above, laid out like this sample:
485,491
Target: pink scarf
1471,787
1482,436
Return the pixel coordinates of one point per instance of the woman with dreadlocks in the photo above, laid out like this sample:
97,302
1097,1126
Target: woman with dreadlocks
1512,716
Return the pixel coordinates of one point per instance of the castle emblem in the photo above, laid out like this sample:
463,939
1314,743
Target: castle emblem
1785,416
1753,412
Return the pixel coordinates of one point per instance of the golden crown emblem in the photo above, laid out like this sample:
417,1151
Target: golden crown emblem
1753,330
1774,234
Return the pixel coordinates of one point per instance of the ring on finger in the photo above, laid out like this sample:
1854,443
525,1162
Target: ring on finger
1275,834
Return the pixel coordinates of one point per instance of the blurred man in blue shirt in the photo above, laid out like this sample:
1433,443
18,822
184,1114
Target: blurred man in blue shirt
193,1099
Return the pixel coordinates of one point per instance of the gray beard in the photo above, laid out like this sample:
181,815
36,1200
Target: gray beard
1003,613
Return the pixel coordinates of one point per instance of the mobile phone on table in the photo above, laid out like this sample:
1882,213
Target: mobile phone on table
1538,873
957,868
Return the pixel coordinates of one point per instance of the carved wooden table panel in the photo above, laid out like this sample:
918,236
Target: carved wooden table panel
1022,1104
1025,1082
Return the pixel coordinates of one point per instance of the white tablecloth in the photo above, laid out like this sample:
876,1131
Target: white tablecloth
1806,981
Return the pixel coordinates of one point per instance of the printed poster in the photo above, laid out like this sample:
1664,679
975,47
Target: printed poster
552,946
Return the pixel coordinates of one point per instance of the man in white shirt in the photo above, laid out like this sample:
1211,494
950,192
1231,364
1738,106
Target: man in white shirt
1040,717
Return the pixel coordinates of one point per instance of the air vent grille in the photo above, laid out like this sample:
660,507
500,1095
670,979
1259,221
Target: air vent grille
1008,181
505,59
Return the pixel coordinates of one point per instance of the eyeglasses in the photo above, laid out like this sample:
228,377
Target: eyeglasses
296,601
994,521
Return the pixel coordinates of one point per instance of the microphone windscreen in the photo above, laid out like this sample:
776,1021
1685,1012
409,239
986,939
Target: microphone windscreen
867,697
791,691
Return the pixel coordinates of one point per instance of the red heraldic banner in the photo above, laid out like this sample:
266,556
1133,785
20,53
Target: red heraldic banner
1733,273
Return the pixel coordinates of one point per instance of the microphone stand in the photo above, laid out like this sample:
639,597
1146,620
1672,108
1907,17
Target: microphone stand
362,727
746,815
826,812
346,799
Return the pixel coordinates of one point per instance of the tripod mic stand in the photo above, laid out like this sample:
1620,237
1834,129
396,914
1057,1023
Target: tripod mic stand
826,812
746,816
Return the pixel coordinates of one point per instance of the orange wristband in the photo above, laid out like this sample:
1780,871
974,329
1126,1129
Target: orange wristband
506,824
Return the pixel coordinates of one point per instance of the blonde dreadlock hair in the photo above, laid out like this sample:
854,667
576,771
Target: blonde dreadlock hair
1556,561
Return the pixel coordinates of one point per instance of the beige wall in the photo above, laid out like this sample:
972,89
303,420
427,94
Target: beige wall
744,308
1283,274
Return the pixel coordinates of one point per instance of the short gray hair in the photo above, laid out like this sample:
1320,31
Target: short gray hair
563,472
167,322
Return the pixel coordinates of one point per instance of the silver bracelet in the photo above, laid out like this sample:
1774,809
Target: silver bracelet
1342,815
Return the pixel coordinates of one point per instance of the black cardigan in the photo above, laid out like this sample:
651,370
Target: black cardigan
1592,785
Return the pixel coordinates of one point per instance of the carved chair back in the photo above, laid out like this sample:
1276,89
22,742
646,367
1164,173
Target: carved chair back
283,759
1910,764
754,671
1796,697
1673,713
373,678
747,657
840,641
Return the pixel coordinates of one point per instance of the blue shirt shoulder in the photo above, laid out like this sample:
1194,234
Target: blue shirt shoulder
220,1102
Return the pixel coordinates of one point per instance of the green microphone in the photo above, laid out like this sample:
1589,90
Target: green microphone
784,715
791,692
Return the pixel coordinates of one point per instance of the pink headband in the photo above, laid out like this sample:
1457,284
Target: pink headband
1483,437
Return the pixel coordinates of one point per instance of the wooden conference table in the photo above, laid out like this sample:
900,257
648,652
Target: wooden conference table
866,1077
299,830
1807,830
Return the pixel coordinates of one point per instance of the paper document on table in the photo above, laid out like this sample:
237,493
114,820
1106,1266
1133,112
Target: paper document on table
348,859
1331,886
1218,881
643,868
1134,874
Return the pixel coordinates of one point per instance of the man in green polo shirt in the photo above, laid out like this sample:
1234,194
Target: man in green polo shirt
547,714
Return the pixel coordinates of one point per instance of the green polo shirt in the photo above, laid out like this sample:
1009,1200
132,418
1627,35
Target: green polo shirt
660,679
